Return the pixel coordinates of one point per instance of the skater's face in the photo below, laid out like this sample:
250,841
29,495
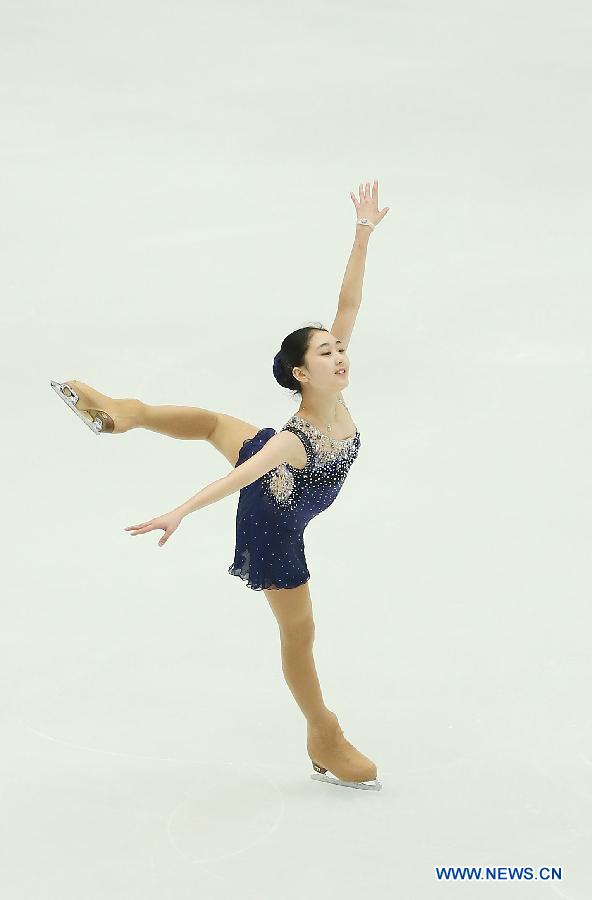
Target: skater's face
325,356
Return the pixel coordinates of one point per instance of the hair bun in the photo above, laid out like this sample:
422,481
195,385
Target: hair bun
277,364
279,371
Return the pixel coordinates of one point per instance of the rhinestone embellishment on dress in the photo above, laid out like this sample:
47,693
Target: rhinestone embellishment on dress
326,448
281,482
322,452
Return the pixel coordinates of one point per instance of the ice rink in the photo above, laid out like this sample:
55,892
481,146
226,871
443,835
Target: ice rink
175,200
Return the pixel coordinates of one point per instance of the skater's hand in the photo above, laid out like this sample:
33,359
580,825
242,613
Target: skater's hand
367,204
169,522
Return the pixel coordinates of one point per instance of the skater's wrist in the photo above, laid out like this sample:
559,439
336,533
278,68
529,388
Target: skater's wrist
363,233
188,507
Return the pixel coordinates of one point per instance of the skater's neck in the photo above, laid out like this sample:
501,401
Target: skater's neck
321,408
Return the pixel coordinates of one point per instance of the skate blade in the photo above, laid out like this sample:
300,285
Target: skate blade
96,425
360,785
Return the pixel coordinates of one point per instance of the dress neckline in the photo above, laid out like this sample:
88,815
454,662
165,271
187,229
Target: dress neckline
334,440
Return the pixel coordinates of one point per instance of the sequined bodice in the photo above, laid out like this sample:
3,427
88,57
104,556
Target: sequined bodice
317,484
274,510
324,445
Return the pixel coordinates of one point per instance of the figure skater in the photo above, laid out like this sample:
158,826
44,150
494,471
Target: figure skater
285,479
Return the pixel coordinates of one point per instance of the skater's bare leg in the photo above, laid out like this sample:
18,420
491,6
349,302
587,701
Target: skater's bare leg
184,422
189,423
293,611
225,433
326,742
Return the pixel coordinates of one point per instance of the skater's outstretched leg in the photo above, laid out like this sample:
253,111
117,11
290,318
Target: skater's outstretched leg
188,423
193,423
226,433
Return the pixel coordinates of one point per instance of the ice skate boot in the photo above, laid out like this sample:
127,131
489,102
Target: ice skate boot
329,750
83,400
96,419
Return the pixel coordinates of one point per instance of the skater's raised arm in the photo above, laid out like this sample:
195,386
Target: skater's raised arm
280,448
350,294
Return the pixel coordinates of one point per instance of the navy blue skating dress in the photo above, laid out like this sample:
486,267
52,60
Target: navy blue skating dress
274,510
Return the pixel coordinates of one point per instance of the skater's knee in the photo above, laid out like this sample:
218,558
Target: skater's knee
298,633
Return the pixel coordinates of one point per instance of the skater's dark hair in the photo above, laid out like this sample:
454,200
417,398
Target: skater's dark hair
291,354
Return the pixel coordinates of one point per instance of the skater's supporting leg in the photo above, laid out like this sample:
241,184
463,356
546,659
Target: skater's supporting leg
293,610
326,743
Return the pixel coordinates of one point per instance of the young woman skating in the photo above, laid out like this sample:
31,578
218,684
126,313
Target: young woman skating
284,478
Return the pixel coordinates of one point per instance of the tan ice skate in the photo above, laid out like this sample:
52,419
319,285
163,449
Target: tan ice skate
328,749
86,403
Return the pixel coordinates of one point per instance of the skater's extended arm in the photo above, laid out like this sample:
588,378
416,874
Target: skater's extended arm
351,287
350,295
280,448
